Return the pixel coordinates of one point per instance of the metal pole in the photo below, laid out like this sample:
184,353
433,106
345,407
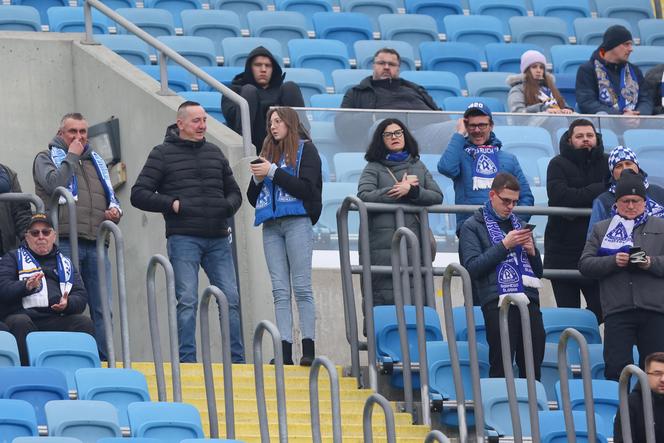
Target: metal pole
262,327
334,399
153,318
163,75
400,221
377,399
436,435
224,325
12,197
63,192
87,14
646,396
427,259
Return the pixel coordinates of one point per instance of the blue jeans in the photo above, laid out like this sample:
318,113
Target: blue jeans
215,255
288,243
87,267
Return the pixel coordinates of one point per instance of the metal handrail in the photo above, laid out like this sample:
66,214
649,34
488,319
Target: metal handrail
646,397
377,399
164,53
224,325
12,197
262,327
105,228
54,208
436,435
587,385
335,400
153,319
509,371
452,270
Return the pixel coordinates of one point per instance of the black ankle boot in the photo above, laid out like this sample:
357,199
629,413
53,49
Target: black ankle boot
287,352
308,352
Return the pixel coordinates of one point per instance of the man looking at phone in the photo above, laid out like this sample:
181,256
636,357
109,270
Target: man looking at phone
626,254
498,250
40,289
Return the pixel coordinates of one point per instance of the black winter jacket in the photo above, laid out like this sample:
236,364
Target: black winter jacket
636,418
14,216
653,87
574,179
199,176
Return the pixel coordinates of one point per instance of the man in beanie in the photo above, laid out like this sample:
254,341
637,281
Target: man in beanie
608,83
626,254
622,158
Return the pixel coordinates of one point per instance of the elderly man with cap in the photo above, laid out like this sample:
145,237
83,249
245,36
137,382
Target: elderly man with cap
626,254
473,158
608,82
40,289
623,158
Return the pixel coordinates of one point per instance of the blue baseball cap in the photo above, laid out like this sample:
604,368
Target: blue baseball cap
477,107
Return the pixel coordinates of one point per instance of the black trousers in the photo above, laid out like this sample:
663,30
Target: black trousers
568,295
492,321
623,330
20,325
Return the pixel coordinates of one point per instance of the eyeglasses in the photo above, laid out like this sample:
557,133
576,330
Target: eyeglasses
656,374
386,63
395,134
35,232
508,201
631,201
481,126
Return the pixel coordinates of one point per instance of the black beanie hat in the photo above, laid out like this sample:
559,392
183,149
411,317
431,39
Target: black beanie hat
615,35
630,184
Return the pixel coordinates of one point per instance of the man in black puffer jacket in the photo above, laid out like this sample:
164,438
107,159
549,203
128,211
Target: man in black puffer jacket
574,179
191,183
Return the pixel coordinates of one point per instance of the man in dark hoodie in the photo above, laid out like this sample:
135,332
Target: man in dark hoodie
262,85
190,182
654,87
70,162
574,179
608,83
14,216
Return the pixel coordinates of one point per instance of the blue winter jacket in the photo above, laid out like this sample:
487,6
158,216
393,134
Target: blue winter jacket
458,165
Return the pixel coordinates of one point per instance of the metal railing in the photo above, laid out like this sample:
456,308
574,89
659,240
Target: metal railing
335,400
17,197
108,227
153,319
224,324
266,326
646,397
377,399
166,53
436,435
54,209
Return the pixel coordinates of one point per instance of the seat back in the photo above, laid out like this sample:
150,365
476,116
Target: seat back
334,194
476,29
552,427
42,6
348,166
605,400
87,420
48,440
37,386
567,58
566,10
305,7
169,422
70,19
322,54
17,419
456,57
310,81
279,25
8,350
371,8
212,24
646,57
19,18
549,370
438,9
156,22
441,380
652,31
439,85
198,50
632,11
366,49
129,47
223,74
237,49
544,32
488,84
504,57
344,79
175,7
528,144
413,29
556,320
241,8
347,27
589,31
503,10
387,332
179,79
461,325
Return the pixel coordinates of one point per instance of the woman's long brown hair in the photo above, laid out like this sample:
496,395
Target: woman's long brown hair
531,88
272,149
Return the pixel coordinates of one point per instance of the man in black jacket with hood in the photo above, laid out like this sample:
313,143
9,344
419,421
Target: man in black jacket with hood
574,179
262,85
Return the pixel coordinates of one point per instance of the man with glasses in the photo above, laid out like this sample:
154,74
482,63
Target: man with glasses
40,288
655,372
626,254
498,250
473,158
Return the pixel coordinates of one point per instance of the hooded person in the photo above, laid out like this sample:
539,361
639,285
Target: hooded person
262,85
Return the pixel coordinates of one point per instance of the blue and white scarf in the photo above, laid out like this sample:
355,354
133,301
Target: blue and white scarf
545,96
485,164
29,266
628,88
619,234
58,155
398,156
515,271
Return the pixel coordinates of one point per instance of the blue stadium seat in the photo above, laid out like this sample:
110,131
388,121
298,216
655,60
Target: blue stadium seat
549,370
279,25
179,79
503,10
365,50
169,422
305,7
371,8
66,351
488,84
210,100
632,11
37,386
19,18
589,31
198,50
17,419
42,6
344,79
8,350
241,8
213,24
236,49
567,58
552,427
461,326
156,22
175,7
438,9
605,400
223,74
47,440
566,84
566,10
411,28
648,150
456,57
538,188
476,29
129,47
310,81
496,406
541,31
439,85
325,138
597,365
325,55
348,166
647,57
87,420
130,440
504,57
347,27
69,19
115,4
556,320
326,100
460,104
652,31
528,144
334,194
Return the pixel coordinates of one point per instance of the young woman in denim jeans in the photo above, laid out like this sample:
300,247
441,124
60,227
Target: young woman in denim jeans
286,191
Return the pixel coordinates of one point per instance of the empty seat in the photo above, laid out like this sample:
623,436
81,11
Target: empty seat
209,100
169,422
47,440
566,10
326,100
17,419
156,22
129,47
556,320
411,28
279,25
223,74
325,55
325,138
347,27
439,85
476,29
348,166
589,31
460,104
366,49
334,194
241,8
130,440
179,79
566,84
198,50
647,57
68,19
461,325
488,84
215,25
605,400
549,370
552,427
456,57
632,11
541,31
438,9
652,31
568,58
371,8
42,6
503,10
175,7
8,350
19,18
504,57
87,420
236,49
528,144
641,140
344,79
305,7
310,81
496,405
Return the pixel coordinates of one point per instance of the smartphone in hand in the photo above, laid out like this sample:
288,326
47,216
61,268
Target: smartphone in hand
257,161
530,227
